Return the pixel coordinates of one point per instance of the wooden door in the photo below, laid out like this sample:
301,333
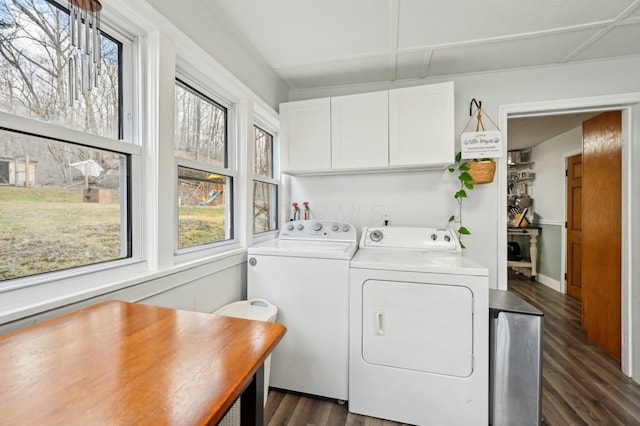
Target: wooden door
602,225
574,226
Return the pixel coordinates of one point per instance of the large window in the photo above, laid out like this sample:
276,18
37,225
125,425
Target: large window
265,187
64,194
205,181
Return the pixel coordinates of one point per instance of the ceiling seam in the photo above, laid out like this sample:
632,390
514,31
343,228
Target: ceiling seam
426,63
395,28
598,35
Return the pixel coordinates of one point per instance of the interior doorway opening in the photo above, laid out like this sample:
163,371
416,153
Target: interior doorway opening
629,104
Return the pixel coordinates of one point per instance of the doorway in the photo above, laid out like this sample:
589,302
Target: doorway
629,104
574,226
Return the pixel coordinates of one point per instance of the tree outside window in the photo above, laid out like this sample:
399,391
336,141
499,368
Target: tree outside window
204,181
265,187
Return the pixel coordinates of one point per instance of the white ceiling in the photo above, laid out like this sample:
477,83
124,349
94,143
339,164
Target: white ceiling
320,43
527,132
323,43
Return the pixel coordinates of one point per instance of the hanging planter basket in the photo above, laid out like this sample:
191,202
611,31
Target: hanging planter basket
481,171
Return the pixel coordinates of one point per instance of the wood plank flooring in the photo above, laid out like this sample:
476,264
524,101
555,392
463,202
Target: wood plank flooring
582,383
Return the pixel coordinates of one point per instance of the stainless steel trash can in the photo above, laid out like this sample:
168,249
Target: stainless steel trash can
515,360
253,309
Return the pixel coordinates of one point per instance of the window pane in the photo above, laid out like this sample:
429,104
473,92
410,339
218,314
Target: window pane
263,153
34,70
204,213
200,127
61,205
265,201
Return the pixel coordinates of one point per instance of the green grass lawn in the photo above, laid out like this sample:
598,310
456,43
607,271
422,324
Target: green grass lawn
49,229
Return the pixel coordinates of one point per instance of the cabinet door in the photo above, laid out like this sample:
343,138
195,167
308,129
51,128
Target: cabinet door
360,131
305,135
421,125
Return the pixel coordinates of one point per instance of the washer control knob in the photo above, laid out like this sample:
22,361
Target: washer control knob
345,228
317,226
376,236
335,228
434,237
253,261
300,227
290,227
447,238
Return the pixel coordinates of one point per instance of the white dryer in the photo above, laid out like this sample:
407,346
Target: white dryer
418,329
305,274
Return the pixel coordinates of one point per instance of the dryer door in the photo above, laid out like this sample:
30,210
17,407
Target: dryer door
418,326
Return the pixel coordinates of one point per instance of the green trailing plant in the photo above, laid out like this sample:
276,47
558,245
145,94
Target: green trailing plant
461,167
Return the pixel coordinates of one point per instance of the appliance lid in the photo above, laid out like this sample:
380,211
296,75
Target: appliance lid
311,238
506,301
303,248
415,261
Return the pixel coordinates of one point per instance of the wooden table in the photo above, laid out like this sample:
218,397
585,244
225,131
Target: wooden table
118,363
532,233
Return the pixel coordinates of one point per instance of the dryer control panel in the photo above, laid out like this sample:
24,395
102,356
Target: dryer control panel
321,230
410,238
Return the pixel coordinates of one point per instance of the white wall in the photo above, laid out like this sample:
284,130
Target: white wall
215,37
423,198
548,189
548,192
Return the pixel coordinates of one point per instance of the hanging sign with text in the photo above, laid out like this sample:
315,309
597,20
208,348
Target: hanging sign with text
486,144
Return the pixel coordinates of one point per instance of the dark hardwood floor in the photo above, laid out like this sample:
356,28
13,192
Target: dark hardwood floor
582,384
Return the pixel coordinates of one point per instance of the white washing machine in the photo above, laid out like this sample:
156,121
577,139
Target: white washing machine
418,329
305,274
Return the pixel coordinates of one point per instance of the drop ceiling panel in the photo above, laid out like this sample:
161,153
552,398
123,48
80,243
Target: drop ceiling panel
293,32
427,23
614,43
506,54
348,71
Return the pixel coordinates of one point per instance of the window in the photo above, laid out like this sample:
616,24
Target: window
64,195
34,70
265,187
61,205
205,183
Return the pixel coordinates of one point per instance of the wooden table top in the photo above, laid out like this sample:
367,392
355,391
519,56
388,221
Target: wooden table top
120,363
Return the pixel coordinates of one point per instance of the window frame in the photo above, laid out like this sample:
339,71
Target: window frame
274,180
127,144
230,170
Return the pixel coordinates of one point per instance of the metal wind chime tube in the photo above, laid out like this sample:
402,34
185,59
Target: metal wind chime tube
85,60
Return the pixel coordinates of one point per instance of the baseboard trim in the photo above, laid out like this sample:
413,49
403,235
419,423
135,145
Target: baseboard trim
549,282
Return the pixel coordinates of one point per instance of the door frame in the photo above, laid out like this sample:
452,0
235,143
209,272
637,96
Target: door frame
563,234
630,361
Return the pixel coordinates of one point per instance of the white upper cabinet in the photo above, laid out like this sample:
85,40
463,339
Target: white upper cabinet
409,128
359,131
421,126
305,133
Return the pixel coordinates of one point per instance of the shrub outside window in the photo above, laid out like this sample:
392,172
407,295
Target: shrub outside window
265,187
64,197
205,183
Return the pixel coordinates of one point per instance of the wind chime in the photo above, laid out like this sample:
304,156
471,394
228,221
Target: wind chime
84,62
